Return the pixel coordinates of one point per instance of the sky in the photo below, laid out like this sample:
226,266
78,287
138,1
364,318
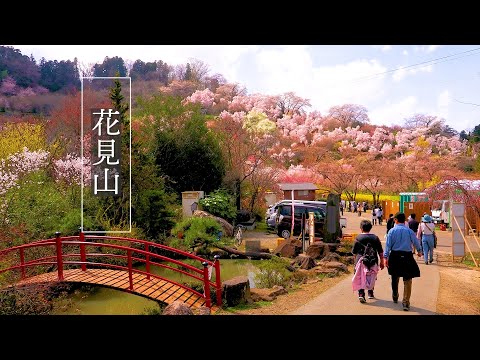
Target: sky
393,82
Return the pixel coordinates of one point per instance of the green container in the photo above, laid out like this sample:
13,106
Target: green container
411,197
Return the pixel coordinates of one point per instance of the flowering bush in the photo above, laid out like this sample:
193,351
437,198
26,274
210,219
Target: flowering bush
219,203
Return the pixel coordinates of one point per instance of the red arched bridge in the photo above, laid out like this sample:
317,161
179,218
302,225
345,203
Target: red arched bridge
79,259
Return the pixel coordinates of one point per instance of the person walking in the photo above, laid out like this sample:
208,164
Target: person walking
369,248
379,214
425,233
374,216
399,258
413,224
390,222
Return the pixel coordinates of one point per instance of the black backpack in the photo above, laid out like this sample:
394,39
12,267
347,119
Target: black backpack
369,257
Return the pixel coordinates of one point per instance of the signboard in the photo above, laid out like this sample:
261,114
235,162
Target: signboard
458,224
106,143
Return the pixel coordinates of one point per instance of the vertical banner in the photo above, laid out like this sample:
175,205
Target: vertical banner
106,152
458,225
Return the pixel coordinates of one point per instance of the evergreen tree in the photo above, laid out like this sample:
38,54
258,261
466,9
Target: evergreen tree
188,73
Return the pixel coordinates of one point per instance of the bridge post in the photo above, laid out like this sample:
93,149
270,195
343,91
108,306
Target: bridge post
206,284
83,255
218,281
147,261
129,255
22,262
58,243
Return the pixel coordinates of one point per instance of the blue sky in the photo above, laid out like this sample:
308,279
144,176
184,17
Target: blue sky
392,81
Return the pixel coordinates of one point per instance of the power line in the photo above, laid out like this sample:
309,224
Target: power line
462,102
429,62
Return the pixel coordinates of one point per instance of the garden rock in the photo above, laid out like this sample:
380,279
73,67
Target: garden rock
267,294
289,248
334,265
177,308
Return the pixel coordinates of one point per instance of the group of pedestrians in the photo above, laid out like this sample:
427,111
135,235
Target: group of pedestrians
403,238
377,215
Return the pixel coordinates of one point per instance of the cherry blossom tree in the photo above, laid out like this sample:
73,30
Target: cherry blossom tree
349,114
289,104
182,88
421,121
8,86
19,164
464,190
205,98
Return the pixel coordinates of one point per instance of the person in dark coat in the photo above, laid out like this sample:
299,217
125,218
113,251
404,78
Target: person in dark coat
390,222
361,243
399,258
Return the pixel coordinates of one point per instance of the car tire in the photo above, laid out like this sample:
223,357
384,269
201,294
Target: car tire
285,234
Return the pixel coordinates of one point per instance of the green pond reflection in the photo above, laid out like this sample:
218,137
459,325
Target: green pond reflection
105,301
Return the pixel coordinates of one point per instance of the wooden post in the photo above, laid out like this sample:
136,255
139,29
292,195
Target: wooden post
206,284
218,281
22,262
293,214
129,255
58,243
147,261
83,255
311,227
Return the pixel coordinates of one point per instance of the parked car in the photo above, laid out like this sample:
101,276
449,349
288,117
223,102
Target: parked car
271,213
283,222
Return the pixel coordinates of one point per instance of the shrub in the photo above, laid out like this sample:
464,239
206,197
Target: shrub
221,204
273,272
195,231
24,301
154,310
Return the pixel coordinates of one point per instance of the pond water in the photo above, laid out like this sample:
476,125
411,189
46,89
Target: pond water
104,301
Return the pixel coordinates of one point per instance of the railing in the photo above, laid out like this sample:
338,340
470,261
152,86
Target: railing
132,255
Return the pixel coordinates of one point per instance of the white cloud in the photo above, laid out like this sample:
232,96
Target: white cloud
426,48
382,47
444,99
291,68
443,102
394,113
401,73
432,48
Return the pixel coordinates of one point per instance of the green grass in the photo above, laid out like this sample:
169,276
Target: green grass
255,305
261,226
322,276
467,259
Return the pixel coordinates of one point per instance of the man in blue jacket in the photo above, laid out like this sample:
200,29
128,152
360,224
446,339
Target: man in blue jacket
399,258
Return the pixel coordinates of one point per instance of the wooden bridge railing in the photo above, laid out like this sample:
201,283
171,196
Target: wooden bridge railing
132,255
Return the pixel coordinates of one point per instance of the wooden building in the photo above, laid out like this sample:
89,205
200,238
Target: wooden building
301,191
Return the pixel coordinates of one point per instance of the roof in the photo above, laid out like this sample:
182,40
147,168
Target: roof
298,186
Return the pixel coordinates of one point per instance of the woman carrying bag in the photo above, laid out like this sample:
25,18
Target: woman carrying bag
426,233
